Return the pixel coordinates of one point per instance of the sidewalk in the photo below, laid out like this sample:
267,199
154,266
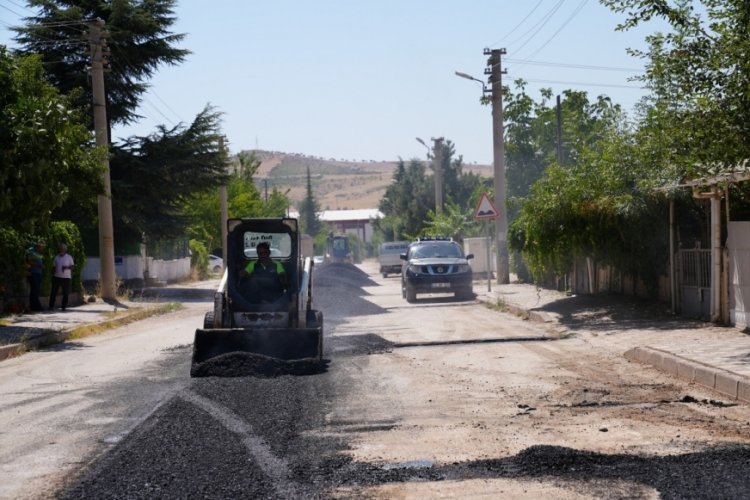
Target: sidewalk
715,357
24,332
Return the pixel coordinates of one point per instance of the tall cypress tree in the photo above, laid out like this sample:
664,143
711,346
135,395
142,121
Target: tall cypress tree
309,210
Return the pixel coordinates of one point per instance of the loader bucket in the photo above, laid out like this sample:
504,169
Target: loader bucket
241,352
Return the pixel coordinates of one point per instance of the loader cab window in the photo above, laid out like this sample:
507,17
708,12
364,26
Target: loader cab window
280,243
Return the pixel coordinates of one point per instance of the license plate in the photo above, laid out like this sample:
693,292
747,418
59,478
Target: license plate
441,285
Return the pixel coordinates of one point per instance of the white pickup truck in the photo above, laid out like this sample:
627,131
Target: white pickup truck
390,257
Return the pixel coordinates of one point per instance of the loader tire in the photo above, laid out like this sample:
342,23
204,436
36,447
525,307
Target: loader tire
208,320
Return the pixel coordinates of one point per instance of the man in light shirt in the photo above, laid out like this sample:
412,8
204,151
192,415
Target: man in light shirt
63,264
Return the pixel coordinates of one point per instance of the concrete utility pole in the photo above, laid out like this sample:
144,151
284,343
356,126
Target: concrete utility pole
558,113
438,155
107,275
494,69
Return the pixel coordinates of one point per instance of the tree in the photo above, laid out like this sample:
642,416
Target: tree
309,210
407,200
203,209
45,149
699,75
153,177
138,38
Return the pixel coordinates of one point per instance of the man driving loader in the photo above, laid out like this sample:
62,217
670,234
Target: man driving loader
264,280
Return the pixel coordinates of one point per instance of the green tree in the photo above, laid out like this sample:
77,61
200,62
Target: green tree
408,199
138,38
154,176
203,209
698,75
45,149
309,209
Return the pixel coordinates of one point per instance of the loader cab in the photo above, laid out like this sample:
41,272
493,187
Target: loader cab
243,238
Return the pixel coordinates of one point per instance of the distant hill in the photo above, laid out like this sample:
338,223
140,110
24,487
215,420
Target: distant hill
337,184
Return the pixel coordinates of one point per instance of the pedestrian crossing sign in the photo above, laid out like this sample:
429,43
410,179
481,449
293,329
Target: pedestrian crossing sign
485,208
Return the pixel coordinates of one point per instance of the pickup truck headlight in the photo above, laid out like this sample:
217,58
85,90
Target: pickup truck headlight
463,268
412,269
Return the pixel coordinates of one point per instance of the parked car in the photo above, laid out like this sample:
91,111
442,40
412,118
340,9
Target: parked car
436,265
215,263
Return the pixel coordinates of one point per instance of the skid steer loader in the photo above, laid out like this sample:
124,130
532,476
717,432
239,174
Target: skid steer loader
283,330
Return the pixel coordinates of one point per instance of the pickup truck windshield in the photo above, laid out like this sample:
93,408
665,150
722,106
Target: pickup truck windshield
436,250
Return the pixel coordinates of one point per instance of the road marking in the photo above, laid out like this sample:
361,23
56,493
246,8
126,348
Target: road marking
276,468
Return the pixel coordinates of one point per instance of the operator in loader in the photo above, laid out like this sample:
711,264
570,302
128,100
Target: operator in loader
264,280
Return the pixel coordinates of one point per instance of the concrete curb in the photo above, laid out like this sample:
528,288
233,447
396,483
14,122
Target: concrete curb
722,381
518,310
42,340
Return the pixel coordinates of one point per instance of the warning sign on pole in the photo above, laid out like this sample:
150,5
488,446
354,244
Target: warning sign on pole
485,208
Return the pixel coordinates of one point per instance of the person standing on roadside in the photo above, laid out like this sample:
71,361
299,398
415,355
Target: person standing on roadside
35,266
63,264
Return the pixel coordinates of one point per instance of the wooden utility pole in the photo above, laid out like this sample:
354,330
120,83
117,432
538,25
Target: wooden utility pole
494,69
107,276
224,215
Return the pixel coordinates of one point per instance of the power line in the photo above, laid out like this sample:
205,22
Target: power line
538,26
11,10
20,6
583,84
517,25
564,24
570,65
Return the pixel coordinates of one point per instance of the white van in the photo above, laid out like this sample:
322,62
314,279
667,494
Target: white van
390,257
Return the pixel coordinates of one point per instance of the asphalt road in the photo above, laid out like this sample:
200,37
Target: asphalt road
437,398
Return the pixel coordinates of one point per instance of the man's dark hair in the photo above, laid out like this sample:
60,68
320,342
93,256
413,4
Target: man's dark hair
263,244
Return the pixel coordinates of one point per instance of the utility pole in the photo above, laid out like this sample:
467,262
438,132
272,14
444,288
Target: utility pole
106,232
224,214
438,157
494,69
558,112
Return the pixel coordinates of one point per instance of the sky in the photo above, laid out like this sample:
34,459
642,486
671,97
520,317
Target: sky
361,80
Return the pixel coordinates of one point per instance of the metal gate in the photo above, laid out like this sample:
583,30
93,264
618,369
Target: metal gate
694,278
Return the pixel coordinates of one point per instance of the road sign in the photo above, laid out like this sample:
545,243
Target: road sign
485,209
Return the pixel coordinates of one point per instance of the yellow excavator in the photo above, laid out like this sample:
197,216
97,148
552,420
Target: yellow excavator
247,322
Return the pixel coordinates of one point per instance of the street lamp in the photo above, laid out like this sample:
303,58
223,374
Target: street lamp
469,77
437,159
498,147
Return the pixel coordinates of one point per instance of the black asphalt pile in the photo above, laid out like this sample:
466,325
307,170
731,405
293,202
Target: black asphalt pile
338,291
338,275
359,345
245,364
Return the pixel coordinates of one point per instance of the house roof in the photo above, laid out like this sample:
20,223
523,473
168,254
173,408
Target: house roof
345,215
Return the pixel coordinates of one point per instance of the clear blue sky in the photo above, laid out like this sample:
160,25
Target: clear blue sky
360,80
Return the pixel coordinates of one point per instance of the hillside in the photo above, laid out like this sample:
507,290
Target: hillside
337,184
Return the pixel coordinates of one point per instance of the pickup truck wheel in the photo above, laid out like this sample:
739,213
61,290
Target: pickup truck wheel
385,274
208,320
411,295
